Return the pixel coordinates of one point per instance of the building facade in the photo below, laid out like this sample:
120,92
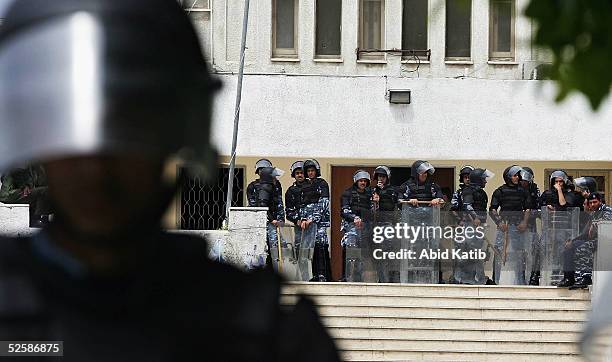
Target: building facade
311,92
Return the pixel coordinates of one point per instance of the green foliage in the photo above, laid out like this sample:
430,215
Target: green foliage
579,33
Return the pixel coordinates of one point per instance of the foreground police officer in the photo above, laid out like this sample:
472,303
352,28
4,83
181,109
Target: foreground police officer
314,212
103,92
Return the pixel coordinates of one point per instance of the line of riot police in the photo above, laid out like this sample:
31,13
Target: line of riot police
521,248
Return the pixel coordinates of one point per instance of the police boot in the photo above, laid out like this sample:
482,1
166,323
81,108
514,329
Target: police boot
568,280
584,283
535,278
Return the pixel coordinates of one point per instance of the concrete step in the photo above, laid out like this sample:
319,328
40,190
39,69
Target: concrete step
454,324
456,346
445,302
391,322
453,313
456,356
413,334
436,290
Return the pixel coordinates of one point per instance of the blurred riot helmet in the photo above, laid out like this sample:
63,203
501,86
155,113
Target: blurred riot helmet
297,165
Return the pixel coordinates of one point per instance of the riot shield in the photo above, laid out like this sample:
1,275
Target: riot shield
305,251
511,254
557,228
385,269
421,265
469,250
286,262
358,265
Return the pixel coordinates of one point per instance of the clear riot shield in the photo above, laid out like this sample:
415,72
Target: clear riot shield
285,262
470,247
359,265
420,263
512,244
557,228
306,242
384,246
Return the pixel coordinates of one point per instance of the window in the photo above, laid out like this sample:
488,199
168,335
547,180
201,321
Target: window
458,29
284,28
371,28
199,13
202,204
328,28
501,30
414,26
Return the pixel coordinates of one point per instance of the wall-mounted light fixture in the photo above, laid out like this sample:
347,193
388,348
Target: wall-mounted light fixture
399,96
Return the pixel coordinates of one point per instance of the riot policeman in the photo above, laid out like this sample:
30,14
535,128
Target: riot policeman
474,209
293,199
586,185
420,188
385,198
314,212
559,195
512,201
578,253
121,93
464,180
266,191
528,183
356,212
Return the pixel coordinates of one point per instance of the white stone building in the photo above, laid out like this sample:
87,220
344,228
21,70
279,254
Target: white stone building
308,92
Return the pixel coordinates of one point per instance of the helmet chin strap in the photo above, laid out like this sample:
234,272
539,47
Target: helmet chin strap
144,225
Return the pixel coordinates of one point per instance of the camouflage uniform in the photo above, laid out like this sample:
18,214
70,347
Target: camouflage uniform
580,256
355,242
318,211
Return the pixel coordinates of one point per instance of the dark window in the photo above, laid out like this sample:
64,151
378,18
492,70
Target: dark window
328,32
458,28
414,25
502,29
203,204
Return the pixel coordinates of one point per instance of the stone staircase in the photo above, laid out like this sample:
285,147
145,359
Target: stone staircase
391,322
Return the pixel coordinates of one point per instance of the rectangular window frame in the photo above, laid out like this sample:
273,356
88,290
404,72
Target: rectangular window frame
502,56
189,6
460,59
421,58
326,56
376,56
287,53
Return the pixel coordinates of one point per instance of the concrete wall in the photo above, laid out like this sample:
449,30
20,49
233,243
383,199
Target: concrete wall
227,20
469,119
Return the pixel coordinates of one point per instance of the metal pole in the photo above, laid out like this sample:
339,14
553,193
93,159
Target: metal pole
230,183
